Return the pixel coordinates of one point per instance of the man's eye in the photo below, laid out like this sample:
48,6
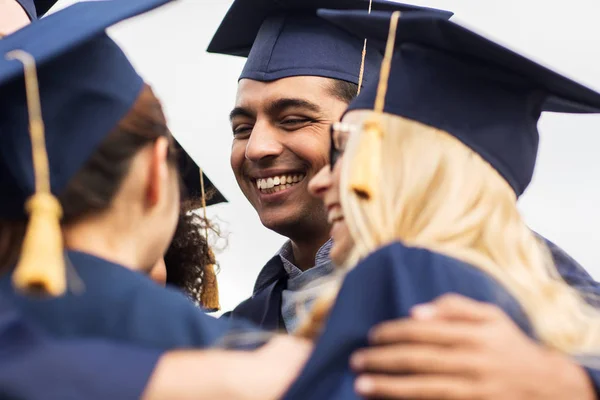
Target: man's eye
295,122
241,130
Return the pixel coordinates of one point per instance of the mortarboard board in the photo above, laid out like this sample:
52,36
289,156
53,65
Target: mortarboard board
284,38
83,77
193,181
85,85
448,77
36,8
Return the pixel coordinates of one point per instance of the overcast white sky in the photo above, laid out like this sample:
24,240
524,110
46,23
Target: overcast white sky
198,89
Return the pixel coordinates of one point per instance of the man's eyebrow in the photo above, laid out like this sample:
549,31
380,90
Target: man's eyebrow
276,107
240,112
280,105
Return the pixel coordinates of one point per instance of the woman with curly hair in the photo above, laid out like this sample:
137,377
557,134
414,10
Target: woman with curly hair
189,261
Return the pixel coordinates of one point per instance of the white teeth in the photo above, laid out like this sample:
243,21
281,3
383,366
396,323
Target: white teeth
277,183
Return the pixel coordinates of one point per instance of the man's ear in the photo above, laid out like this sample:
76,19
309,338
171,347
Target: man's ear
159,170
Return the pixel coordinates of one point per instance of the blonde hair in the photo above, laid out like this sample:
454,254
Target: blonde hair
433,192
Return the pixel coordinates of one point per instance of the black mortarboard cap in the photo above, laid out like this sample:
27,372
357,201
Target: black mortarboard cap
284,38
86,85
448,77
190,175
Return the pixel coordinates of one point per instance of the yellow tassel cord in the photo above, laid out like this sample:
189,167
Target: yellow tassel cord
41,267
209,297
366,167
361,73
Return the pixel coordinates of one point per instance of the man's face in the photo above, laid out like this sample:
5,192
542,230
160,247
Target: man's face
280,141
12,17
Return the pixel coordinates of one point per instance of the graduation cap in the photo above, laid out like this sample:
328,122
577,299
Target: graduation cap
445,76
284,38
36,8
48,131
197,185
195,180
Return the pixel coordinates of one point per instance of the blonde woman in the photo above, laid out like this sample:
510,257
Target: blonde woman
423,201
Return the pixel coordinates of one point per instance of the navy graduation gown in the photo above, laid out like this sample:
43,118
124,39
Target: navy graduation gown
35,367
594,375
264,307
385,286
124,305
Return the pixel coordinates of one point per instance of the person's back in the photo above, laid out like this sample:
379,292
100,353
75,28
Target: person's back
112,181
120,304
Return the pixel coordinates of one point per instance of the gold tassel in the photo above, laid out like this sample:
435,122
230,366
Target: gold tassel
210,286
209,297
366,166
41,267
361,72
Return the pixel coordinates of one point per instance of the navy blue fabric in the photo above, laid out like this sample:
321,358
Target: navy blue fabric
264,307
120,304
238,29
35,367
574,274
594,375
490,59
303,45
452,79
383,287
285,38
86,84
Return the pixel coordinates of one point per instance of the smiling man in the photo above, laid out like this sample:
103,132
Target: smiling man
274,167
300,75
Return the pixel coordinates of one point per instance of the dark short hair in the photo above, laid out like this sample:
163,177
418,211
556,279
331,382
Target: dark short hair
343,90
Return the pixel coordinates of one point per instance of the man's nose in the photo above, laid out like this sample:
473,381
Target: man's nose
264,142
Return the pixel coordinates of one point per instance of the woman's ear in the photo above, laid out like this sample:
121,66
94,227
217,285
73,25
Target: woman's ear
159,170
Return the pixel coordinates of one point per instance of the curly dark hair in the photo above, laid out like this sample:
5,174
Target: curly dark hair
189,253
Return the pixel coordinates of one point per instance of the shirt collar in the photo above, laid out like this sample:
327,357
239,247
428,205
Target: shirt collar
282,263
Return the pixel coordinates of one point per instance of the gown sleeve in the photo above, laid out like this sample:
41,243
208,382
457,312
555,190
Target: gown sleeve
33,366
